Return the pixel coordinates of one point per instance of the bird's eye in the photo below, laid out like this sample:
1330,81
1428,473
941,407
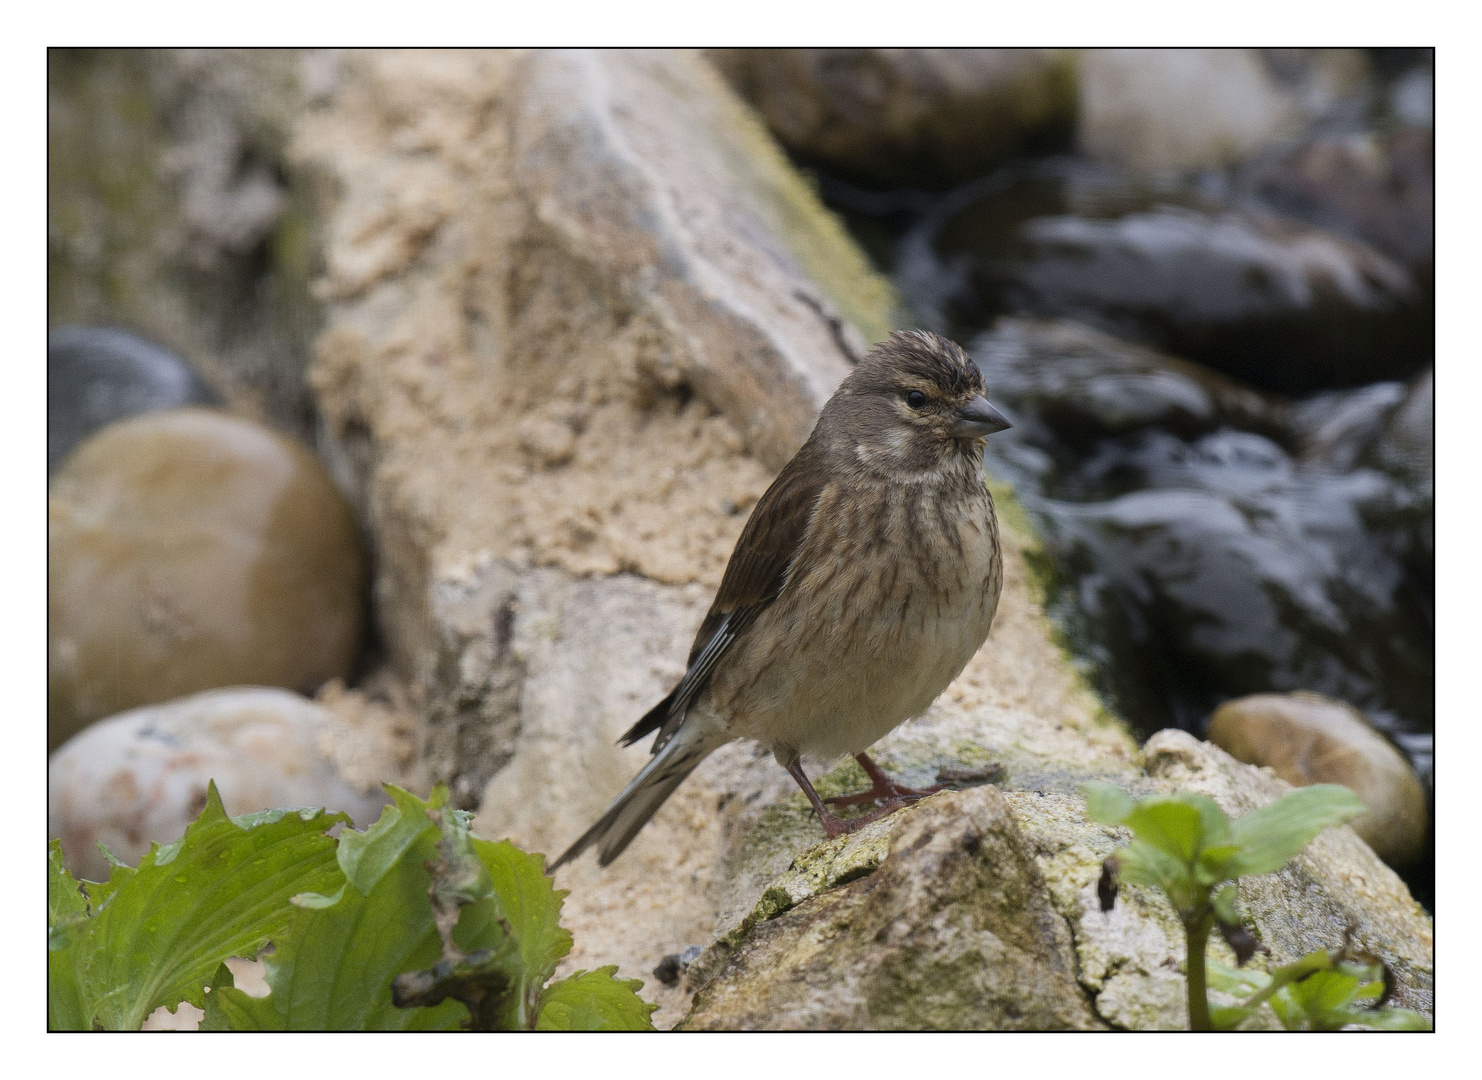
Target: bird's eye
916,399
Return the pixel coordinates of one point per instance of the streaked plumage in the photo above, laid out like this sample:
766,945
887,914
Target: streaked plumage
864,581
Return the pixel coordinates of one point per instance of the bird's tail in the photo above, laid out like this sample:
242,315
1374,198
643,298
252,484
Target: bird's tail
641,799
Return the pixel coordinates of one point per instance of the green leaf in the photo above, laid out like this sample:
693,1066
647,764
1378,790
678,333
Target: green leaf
1389,1019
1270,836
66,913
332,969
531,905
366,856
1172,824
1106,803
1237,981
64,897
1223,903
1228,1017
159,933
1141,863
594,1001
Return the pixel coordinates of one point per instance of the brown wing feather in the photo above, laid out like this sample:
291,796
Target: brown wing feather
765,549
754,577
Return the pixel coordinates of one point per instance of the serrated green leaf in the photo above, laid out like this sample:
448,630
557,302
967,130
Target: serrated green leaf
332,969
1270,836
365,856
160,931
63,894
594,1001
66,913
531,904
1106,803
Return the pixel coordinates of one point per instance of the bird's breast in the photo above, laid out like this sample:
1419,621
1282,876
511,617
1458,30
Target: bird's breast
891,594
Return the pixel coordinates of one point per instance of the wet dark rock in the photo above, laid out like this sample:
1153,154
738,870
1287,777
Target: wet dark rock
1075,385
1263,298
188,550
927,117
1309,739
1387,426
96,375
1376,187
1199,558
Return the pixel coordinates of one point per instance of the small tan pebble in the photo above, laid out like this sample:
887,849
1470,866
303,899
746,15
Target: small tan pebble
1309,739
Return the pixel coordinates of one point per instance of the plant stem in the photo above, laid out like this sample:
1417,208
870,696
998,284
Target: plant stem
1196,934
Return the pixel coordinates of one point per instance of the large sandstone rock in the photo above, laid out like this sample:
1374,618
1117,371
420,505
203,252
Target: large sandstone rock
186,550
977,908
953,930
920,117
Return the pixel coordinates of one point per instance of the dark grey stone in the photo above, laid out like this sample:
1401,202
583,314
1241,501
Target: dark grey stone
96,375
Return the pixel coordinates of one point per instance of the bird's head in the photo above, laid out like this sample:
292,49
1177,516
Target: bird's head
914,404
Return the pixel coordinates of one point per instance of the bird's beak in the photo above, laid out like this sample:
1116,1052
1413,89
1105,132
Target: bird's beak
978,418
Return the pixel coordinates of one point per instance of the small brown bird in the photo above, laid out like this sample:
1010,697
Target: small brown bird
863,583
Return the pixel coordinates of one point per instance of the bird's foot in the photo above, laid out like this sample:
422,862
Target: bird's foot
883,789
894,796
836,826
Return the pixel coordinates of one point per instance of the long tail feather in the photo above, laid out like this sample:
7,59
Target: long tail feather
640,800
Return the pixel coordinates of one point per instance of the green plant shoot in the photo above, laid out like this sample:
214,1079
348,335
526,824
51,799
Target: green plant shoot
1185,845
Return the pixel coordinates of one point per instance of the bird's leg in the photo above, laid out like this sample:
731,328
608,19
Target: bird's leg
832,826
882,788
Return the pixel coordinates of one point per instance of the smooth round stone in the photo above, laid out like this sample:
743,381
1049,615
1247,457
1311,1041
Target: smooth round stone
96,375
1309,739
187,550
141,776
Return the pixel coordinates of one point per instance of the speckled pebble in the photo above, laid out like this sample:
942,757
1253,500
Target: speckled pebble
141,776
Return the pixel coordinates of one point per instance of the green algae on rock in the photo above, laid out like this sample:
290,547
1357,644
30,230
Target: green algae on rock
764,970
953,931
187,550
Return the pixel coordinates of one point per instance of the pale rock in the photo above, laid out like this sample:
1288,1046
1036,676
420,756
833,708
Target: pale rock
1179,108
140,777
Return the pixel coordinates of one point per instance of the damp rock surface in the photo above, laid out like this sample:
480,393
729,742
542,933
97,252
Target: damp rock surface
1309,739
921,117
189,549
96,375
1209,541
1267,299
140,777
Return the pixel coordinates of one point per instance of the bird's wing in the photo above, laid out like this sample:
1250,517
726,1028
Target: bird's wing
754,577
